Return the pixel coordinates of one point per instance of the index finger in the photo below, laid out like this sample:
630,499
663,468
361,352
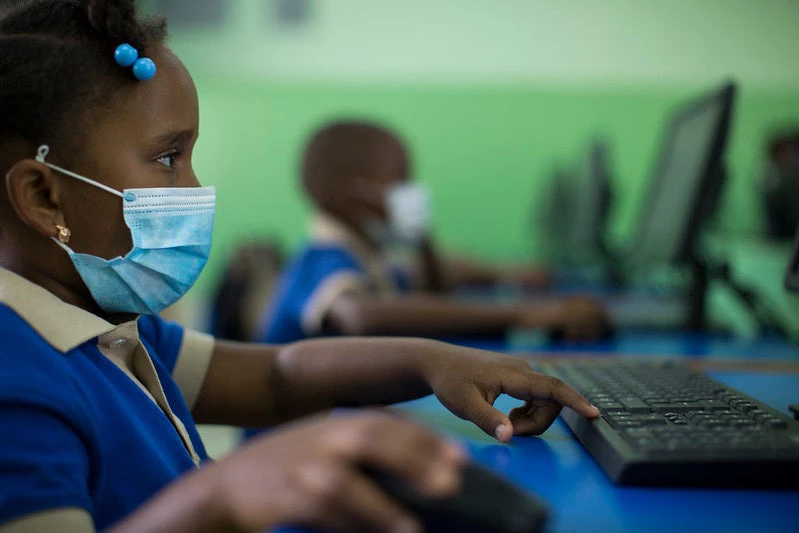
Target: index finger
539,385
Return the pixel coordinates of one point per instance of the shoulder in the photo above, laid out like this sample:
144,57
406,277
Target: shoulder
163,339
317,262
26,359
36,377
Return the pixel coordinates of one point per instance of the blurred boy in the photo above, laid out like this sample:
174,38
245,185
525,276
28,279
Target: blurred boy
342,283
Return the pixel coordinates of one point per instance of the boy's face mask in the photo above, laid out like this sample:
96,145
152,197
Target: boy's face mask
408,213
408,206
171,229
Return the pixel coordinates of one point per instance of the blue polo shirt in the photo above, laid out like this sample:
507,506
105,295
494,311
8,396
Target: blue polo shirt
92,419
335,261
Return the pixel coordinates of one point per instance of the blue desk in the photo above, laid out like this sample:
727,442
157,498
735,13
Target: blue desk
580,496
582,499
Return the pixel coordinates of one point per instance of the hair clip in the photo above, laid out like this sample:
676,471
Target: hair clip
143,67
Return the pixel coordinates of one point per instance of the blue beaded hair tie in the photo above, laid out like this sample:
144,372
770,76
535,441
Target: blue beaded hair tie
143,67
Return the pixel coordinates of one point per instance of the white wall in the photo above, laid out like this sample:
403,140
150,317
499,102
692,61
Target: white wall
607,42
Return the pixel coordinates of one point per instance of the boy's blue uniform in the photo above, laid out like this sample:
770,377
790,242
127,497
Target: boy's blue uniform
334,262
95,417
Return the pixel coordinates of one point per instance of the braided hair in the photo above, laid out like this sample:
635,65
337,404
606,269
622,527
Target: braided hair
57,65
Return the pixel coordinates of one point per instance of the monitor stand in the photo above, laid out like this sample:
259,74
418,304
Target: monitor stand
704,271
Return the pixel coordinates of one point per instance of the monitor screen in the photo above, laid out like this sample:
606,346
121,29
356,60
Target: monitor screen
552,218
591,201
684,180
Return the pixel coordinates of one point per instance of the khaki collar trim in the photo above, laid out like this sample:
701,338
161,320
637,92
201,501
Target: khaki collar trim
62,325
327,230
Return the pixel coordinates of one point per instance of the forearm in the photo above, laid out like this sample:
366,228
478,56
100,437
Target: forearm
321,374
460,271
418,315
187,505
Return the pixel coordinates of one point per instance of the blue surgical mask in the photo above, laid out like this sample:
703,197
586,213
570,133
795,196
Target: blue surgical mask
171,229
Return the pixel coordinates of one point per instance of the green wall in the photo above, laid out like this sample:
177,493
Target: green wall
485,151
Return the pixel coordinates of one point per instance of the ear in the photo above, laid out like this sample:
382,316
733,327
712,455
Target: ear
34,193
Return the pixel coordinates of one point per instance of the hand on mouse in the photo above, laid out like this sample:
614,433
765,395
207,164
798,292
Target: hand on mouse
577,318
468,382
310,474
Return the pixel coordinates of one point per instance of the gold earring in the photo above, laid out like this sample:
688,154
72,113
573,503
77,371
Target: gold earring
63,233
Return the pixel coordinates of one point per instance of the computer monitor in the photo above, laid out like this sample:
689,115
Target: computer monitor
792,272
552,216
591,205
687,180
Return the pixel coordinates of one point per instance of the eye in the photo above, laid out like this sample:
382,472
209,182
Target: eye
168,160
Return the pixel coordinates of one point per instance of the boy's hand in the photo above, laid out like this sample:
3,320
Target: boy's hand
533,276
576,318
468,382
310,475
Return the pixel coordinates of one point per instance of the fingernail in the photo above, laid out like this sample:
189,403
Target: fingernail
406,526
499,431
594,407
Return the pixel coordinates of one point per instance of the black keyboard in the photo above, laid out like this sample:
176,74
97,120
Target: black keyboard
664,424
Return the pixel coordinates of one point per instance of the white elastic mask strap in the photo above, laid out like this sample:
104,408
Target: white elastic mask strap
66,248
42,153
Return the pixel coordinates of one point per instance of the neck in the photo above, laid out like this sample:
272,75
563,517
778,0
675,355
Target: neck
65,291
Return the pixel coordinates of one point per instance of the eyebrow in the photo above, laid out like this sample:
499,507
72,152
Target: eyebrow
174,137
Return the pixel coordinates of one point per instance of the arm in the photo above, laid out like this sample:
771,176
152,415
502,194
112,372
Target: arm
358,313
258,385
308,474
462,271
261,385
298,475
426,315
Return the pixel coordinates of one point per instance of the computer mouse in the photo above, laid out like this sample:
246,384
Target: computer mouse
486,503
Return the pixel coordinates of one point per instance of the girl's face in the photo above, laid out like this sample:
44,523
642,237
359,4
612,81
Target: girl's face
145,141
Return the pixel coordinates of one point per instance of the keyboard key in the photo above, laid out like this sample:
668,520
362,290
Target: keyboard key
654,399
635,405
608,407
681,407
713,405
651,419
621,421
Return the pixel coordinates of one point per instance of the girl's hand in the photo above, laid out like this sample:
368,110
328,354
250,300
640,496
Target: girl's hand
468,382
310,475
577,318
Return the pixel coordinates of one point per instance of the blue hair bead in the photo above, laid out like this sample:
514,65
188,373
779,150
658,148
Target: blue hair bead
125,55
144,69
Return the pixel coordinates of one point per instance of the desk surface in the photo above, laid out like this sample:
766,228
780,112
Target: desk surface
580,496
582,499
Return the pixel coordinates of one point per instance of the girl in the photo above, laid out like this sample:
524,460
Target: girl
102,225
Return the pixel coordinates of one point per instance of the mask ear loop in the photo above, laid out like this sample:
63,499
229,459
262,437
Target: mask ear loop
42,153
